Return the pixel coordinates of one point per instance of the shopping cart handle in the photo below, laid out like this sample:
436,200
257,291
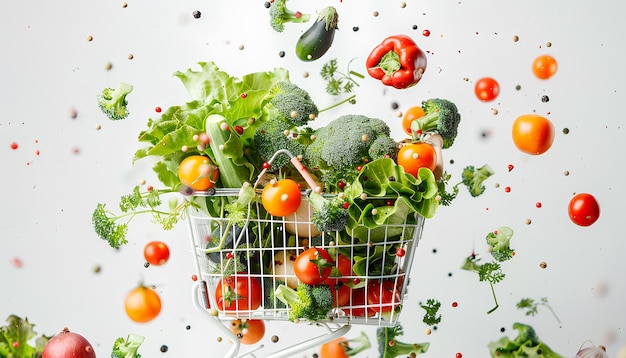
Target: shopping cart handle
311,343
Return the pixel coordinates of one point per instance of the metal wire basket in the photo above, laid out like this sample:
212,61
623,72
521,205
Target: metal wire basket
216,243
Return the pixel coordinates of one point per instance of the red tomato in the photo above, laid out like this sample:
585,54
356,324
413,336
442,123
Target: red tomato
238,292
532,134
249,331
357,306
344,268
383,296
156,253
583,209
340,291
412,113
544,67
413,156
313,266
487,89
197,172
281,197
142,304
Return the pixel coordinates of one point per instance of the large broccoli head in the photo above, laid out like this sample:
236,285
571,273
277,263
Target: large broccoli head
274,135
345,144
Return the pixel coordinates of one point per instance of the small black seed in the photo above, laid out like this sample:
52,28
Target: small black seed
414,27
502,329
355,28
274,339
267,4
518,87
281,54
545,98
565,130
164,348
188,327
146,264
394,105
197,14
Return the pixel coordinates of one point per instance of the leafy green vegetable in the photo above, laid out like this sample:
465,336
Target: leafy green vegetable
499,242
337,81
312,303
127,348
532,306
431,307
525,345
16,339
488,271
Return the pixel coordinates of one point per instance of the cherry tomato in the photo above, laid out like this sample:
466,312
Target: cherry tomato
412,113
156,252
142,304
383,296
281,197
532,134
313,266
357,306
238,292
544,67
583,209
486,89
197,172
249,331
413,156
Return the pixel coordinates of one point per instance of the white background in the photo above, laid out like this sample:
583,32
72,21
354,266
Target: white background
64,166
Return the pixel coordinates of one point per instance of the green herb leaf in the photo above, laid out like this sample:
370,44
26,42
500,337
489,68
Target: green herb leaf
431,307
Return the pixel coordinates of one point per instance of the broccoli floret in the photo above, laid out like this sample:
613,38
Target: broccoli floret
280,14
127,348
292,103
274,135
329,214
384,147
390,347
269,299
499,241
473,178
342,146
441,116
312,303
113,102
526,344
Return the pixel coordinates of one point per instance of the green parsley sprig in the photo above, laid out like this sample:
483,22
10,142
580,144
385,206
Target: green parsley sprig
488,271
532,306
431,307
338,82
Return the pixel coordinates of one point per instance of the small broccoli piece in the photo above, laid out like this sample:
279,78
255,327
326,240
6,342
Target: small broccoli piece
526,344
280,14
269,299
499,241
390,347
312,303
113,102
384,147
441,116
292,103
473,178
274,135
127,348
329,214
230,266
342,146
238,211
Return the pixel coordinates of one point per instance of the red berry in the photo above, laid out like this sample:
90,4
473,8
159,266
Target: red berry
400,252
194,277
426,32
13,145
510,166
150,188
538,204
157,109
459,355
507,189
454,304
266,165
243,95
239,130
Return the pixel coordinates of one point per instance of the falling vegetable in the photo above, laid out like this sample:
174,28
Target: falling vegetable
68,344
397,62
316,41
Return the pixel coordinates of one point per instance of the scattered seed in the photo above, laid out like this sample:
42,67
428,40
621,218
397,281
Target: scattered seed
73,113
565,130
414,27
515,38
267,4
305,74
428,331
124,5
146,264
518,87
494,111
14,146
164,348
196,14
98,127
548,44
566,173
455,304
281,54
507,189
426,32
403,4
131,56
375,14
219,339
241,47
528,221
538,204
97,268
108,66
543,264
274,339
142,181
89,38
355,28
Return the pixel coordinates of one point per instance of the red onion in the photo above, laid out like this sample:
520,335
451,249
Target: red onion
68,344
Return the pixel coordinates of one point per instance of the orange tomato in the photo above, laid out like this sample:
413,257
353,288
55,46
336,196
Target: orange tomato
142,304
281,197
197,172
248,331
544,67
413,156
532,134
412,113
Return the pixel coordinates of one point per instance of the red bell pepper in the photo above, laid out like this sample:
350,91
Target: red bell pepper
397,62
